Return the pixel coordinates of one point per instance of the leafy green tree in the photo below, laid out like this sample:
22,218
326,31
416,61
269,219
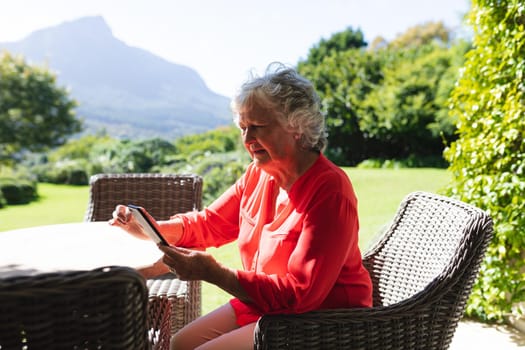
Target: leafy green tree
389,101
407,111
338,42
488,159
343,79
422,34
34,112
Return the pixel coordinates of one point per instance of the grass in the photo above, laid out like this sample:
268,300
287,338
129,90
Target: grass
379,192
57,204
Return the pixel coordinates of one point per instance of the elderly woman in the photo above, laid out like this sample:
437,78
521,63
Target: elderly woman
293,214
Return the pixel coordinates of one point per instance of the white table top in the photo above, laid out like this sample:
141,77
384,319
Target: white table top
78,246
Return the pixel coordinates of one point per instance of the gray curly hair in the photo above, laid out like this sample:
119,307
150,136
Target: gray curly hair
291,97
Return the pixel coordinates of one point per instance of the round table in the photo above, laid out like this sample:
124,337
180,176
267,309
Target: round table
76,246
89,245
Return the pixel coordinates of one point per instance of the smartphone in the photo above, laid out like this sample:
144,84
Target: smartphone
150,228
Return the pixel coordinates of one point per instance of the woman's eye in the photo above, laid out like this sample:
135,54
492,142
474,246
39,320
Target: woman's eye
245,129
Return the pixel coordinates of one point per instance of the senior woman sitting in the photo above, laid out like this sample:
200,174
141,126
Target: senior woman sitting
293,214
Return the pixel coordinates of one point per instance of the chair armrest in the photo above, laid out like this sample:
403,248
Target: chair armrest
184,298
391,327
315,330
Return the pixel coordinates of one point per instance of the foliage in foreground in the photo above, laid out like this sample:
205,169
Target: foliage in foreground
488,159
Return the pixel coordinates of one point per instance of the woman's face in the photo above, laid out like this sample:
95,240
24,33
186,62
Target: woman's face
270,145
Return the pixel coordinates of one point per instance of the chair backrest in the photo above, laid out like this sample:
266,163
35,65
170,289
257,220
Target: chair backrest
104,308
432,239
161,194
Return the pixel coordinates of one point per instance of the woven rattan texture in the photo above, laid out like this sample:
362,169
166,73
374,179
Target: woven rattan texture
422,271
161,194
104,308
184,297
159,322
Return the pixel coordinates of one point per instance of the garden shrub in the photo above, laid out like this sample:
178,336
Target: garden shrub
3,202
488,160
73,172
219,170
17,191
219,178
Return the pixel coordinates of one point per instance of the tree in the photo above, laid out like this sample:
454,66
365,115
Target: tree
422,34
338,42
488,159
389,101
34,112
406,111
343,79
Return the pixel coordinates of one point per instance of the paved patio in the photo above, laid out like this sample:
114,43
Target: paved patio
480,336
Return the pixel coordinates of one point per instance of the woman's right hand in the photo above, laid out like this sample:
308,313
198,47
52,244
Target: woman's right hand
122,218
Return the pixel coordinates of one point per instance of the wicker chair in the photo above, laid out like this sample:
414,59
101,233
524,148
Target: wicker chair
162,195
105,308
422,271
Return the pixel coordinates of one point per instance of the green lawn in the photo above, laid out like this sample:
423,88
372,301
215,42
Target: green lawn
57,204
379,192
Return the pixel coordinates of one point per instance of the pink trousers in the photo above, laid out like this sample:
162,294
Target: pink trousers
214,331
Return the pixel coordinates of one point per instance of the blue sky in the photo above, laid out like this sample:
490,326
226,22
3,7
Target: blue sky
225,40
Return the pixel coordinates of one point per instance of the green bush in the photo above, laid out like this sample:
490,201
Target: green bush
488,159
219,170
74,172
221,140
78,177
17,191
219,178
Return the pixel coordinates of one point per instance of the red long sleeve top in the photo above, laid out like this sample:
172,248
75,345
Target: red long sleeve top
297,257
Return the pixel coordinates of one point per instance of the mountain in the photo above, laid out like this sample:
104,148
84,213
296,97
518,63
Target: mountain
125,90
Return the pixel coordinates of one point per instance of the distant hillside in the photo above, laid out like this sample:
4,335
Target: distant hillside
127,91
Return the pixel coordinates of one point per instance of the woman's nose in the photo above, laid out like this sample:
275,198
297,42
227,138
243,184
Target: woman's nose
248,136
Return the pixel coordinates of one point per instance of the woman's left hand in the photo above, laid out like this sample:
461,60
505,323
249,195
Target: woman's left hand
189,264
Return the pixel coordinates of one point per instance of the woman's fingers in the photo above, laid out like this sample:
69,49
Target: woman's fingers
173,256
187,264
121,215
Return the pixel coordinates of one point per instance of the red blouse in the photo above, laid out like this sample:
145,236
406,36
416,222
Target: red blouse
300,256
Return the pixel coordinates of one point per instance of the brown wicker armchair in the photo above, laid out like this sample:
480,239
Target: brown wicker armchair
422,271
105,308
162,195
